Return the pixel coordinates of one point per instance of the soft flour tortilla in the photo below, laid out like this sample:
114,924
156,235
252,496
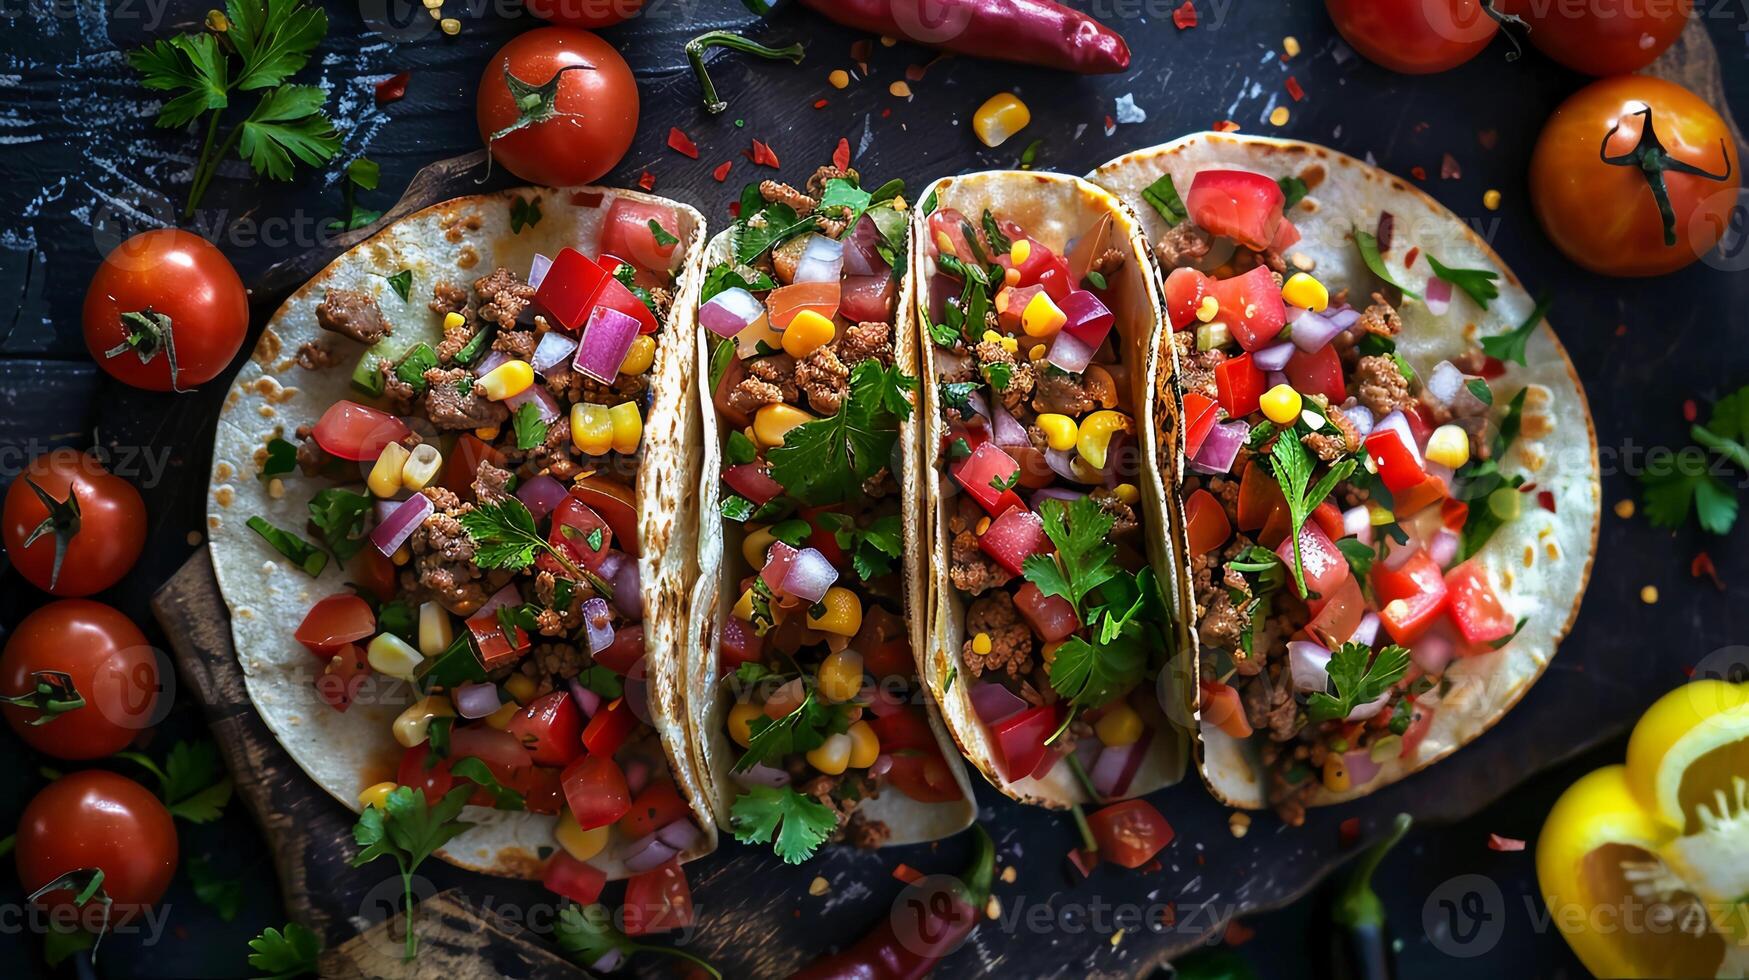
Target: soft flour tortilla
910,821
457,240
1538,564
1054,209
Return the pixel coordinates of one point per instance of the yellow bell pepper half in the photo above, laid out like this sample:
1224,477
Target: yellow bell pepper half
1645,867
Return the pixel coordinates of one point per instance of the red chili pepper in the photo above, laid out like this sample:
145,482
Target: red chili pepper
762,153
942,920
647,181
1031,32
1184,18
1294,90
1703,565
722,172
393,89
679,142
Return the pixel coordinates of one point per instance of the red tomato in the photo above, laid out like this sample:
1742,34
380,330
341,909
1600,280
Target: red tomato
868,298
551,728
334,622
1399,465
109,664
576,136
626,650
1260,497
950,232
1185,290
1223,708
980,473
1015,536
165,288
1020,740
1207,522
342,677
753,481
924,777
1474,608
97,819
618,506
657,901
615,295
1237,204
609,727
1416,37
500,751
496,647
1199,420
1602,37
539,786
740,644
1329,517
1324,566
906,729
1411,596
357,432
1318,374
375,573
1337,615
1052,617
626,234
885,644
1251,307
1129,833
579,531
824,537
659,805
1420,720
95,522
463,464
433,780
1239,385
1422,495
576,880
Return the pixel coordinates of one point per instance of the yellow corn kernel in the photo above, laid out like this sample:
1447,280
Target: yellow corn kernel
385,474
1095,435
1281,404
1001,116
577,842
510,378
435,631
740,717
1021,251
944,244
1206,310
1009,344
375,794
840,676
1042,317
744,606
1049,653
843,614
1491,199
991,335
402,555
486,433
1010,277
1449,445
1060,431
1378,515
1037,353
865,745
500,719
410,726
838,78
421,467
454,321
983,525
807,333
1127,492
756,544
771,422
981,644
391,655
1302,290
628,427
591,428
1120,725
833,755
521,687
451,26
640,357
1336,778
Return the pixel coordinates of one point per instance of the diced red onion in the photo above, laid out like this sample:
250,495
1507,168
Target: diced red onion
1273,378
1116,767
622,572
1310,665
554,347
822,260
1361,418
540,494
637,692
607,962
778,558
1437,296
1087,318
1312,331
1053,493
386,507
587,701
882,765
1221,447
544,402
1370,709
393,532
509,595
1361,767
1444,382
1070,353
597,624
809,576
537,270
477,700
993,702
761,774
1058,461
1274,357
679,834
980,405
607,338
1367,632
1343,316
862,256
1443,547
1004,430
646,854
730,312
637,773
490,361
1432,652
1399,423
1357,523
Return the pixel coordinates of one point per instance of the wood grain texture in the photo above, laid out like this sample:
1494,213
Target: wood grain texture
457,941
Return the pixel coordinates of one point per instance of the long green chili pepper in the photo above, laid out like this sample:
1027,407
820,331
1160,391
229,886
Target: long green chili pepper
696,48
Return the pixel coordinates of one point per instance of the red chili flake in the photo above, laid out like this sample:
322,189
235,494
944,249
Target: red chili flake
722,172
1448,168
763,154
820,103
1419,173
1185,16
393,88
647,181
1422,126
586,199
1489,138
1546,500
1169,915
914,73
1294,90
1499,843
1527,488
886,112
1689,411
1083,861
907,874
1493,367
1409,260
679,142
860,50
841,154
734,209
1703,565
1225,126
1238,933
1387,224
1688,672
1621,330
1152,867
1110,125
1348,832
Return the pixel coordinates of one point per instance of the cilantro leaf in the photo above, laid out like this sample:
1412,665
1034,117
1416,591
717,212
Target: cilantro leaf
586,934
274,37
872,548
1092,676
1162,196
724,276
524,213
408,830
794,823
302,553
1293,191
402,283
339,518
1478,284
759,228
1368,244
721,357
661,235
802,730
223,895
1671,487
1358,677
1510,345
191,781
504,535
187,61
1000,243
1293,470
280,954
282,457
531,431
1085,558
826,460
288,124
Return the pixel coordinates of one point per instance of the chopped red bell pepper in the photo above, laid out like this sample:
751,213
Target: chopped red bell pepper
612,723
1020,740
1419,497
1318,373
576,880
1013,537
1411,596
982,471
496,648
1399,465
1475,610
1199,421
571,287
1239,385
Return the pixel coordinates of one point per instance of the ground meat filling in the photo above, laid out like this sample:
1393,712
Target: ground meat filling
1185,246
314,356
824,380
443,556
970,570
353,315
1196,368
1380,386
491,484
447,297
868,340
993,619
503,295
1015,393
1062,393
452,402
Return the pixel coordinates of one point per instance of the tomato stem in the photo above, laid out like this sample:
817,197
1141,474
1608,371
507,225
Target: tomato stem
148,332
696,48
534,103
1654,161
52,695
62,521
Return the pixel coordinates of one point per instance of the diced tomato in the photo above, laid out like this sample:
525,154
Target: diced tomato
500,751
778,559
1453,513
1419,497
1239,385
1015,536
1411,596
1420,720
595,790
342,676
753,481
1020,740
948,231
609,727
375,573
885,644
1337,614
905,729
657,901
1011,303
982,471
1052,617
1236,204
785,302
1222,708
659,805
1039,257
1329,517
1259,497
924,777
539,786
357,432
1251,307
824,536
433,780
1475,610
550,727
495,647
463,464
868,298
616,503
1399,466
739,644
1207,522
1421,424
1275,530
1035,471
1318,373
627,648
1324,565
334,622
1185,290
581,533
626,234
576,880
1199,420
1129,833
1286,237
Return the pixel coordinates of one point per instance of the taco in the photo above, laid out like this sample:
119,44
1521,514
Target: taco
1391,484
1051,619
805,615
447,517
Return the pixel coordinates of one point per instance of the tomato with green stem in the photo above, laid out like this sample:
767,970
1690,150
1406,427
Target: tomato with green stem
557,106
78,680
99,833
72,527
165,311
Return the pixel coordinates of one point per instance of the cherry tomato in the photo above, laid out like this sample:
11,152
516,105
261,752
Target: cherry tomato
924,777
595,789
551,728
578,133
1610,37
590,14
343,674
335,621
97,820
1129,833
1416,37
160,290
110,666
659,805
1591,176
89,524
1207,523
657,901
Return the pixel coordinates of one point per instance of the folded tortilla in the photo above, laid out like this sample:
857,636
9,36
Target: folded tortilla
1539,562
708,699
272,396
1054,209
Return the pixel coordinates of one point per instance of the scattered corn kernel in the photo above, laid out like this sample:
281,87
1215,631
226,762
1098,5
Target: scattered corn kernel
838,78
887,42
500,719
385,474
1060,431
421,467
1206,310
740,718
756,544
1037,353
944,244
1491,199
981,644
840,675
1649,595
1010,345
375,794
628,427
640,357
1624,508
521,687
1336,778
772,422
1302,290
435,631
1001,116
402,555
1049,653
454,321
1042,317
1378,515
991,335
1239,823
411,725
276,488
899,90
450,26
1281,404
819,886
577,842
433,4
1120,725
1020,251
1278,117
591,428
744,606
982,525
808,332
1094,437
842,615
513,377
1290,46
865,745
391,655
1011,277
833,755
1127,492
486,433
1449,445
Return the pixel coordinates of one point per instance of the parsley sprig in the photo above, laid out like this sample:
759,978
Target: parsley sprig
1478,284
1510,345
284,953
505,536
1293,470
191,781
793,823
408,830
826,460
1674,485
804,729
1357,677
